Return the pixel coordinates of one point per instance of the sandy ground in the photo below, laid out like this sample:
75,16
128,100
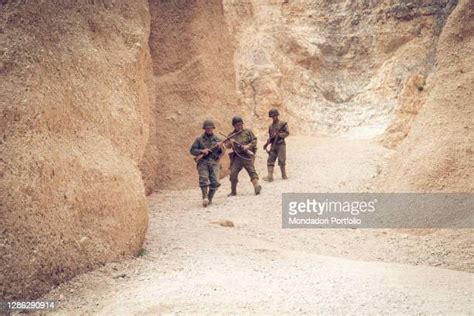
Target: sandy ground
191,264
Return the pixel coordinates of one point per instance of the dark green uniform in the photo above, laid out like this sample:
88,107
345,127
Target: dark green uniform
278,150
240,159
208,166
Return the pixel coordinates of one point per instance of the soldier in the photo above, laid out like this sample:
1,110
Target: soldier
277,132
244,146
207,150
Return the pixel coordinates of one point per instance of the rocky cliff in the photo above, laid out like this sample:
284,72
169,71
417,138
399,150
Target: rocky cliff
193,79
437,154
334,67
75,102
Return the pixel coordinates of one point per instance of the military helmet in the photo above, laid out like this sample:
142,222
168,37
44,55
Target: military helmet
273,112
236,120
208,124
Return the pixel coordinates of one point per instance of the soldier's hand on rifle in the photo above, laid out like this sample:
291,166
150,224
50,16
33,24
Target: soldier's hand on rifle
205,151
282,134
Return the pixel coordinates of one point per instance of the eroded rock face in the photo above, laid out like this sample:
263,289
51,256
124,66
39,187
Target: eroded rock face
73,121
333,67
193,79
410,102
437,154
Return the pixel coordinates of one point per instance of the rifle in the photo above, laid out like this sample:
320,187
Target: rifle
200,156
273,140
248,152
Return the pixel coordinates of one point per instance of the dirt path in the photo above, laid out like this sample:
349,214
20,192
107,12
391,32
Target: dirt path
194,265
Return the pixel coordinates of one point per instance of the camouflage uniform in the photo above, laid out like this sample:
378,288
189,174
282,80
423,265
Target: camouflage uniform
208,166
279,149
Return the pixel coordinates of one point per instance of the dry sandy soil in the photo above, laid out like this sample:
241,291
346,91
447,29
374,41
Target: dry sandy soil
192,264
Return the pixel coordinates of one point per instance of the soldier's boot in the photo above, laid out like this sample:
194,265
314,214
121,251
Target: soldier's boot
233,188
269,178
257,187
205,201
283,172
211,195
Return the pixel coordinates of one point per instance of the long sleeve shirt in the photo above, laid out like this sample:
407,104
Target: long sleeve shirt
280,128
206,141
244,138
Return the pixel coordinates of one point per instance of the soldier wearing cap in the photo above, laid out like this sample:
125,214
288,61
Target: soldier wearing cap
277,132
244,147
210,147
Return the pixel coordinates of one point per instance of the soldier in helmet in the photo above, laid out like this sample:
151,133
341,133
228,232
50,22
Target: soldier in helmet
207,150
277,132
244,147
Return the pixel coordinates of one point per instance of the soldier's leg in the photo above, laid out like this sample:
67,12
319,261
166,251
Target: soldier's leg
250,168
235,168
282,160
272,156
203,172
214,170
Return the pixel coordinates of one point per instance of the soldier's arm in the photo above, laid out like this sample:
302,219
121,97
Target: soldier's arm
228,143
253,141
196,148
284,131
219,149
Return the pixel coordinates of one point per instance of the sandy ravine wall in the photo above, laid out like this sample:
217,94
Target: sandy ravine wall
193,79
438,153
74,125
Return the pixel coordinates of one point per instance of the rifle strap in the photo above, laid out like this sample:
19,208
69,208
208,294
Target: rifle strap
237,153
